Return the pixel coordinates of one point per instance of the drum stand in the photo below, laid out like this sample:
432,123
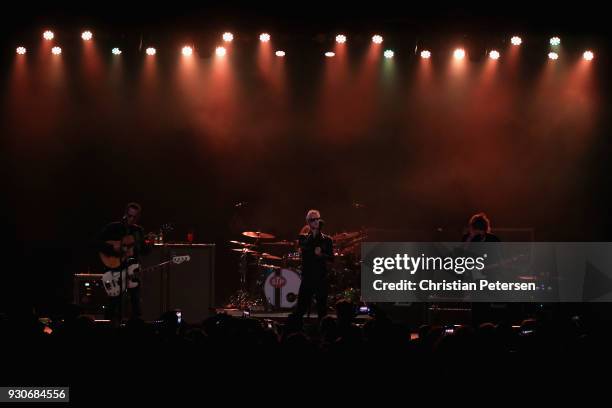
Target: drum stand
242,298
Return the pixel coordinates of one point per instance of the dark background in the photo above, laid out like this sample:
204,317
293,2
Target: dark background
82,137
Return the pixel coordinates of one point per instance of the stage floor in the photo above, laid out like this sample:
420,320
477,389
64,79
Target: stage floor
280,316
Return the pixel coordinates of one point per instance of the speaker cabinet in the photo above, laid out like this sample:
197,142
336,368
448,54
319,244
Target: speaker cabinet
89,293
188,286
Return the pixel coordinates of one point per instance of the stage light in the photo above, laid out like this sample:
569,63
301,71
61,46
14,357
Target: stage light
116,51
377,39
426,54
494,55
220,51
516,40
459,53
187,51
56,50
341,38
21,50
330,54
265,37
48,35
280,53
388,54
151,51
87,35
555,41
553,55
228,37
588,55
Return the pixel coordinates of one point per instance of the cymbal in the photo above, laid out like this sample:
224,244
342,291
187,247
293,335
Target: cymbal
243,244
271,257
280,243
267,266
258,235
346,235
245,250
350,243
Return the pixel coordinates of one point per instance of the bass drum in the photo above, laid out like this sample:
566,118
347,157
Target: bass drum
281,288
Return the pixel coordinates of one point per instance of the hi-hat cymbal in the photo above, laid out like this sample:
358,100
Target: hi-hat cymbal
258,235
245,250
280,243
242,244
271,257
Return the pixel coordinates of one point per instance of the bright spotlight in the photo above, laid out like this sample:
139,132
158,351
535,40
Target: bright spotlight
265,37
151,51
494,55
329,54
228,37
341,38
459,53
377,39
555,41
87,35
516,40
425,54
280,53
220,51
588,55
553,55
116,51
48,35
187,51
388,54
21,50
56,50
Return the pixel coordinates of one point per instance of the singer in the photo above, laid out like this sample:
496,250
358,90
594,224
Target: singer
316,251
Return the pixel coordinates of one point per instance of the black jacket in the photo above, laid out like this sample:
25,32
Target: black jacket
313,266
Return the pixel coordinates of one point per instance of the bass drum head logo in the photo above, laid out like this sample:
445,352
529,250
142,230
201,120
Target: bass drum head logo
278,282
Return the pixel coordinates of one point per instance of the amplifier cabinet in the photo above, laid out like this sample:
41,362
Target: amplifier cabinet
188,286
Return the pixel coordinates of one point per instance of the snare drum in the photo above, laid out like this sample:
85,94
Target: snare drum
281,288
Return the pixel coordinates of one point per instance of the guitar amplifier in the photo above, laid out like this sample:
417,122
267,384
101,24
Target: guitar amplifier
188,286
89,293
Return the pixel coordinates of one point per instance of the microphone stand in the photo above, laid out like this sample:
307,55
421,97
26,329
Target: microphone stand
122,267
121,300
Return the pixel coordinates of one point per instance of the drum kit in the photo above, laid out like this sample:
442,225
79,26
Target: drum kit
271,282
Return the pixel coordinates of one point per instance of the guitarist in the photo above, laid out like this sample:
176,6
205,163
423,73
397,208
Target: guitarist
479,229
117,243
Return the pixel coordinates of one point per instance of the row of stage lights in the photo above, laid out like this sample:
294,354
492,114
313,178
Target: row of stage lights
187,51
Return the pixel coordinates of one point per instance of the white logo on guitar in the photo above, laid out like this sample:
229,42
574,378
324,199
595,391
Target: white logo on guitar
115,281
